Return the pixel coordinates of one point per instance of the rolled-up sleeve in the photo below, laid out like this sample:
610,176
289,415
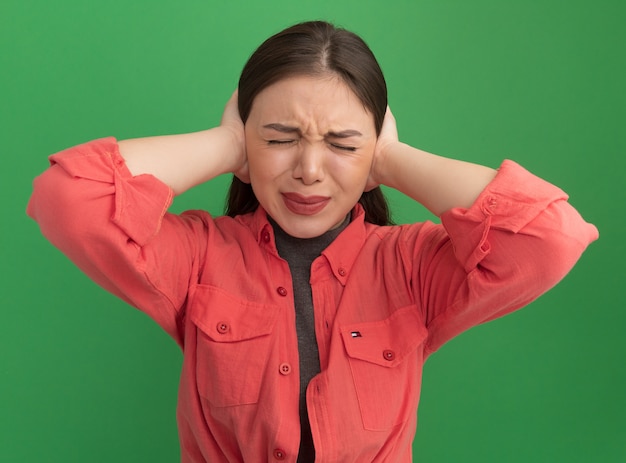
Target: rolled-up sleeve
116,229
518,240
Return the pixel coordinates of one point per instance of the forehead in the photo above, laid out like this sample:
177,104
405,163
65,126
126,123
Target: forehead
326,99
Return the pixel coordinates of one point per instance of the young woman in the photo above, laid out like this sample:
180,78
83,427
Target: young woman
304,316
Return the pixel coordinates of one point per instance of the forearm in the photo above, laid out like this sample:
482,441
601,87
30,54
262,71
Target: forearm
438,183
181,161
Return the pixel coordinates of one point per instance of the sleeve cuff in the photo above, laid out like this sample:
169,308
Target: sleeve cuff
140,202
511,200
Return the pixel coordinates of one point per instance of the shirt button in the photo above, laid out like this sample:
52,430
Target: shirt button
266,236
389,355
284,369
342,271
223,328
282,291
489,205
279,454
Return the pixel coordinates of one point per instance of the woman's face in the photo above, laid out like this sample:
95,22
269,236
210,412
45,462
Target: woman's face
310,144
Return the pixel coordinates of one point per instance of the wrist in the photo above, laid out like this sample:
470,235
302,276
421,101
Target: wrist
385,161
230,151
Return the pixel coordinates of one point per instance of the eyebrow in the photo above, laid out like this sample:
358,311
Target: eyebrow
282,128
345,134
289,129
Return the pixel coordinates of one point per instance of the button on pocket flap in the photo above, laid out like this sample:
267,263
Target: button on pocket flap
227,318
386,342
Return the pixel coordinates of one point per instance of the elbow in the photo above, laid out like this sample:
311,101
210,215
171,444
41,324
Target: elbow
543,261
43,205
61,206
561,237
556,260
528,263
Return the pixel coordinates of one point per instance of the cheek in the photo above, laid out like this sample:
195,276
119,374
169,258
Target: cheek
259,174
258,158
266,166
271,158
358,165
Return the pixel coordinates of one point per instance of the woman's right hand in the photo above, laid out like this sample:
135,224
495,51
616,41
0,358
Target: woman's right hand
231,120
185,160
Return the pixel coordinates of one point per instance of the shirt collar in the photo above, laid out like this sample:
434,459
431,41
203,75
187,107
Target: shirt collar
341,253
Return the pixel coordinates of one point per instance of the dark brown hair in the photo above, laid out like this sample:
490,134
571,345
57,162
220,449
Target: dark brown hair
314,48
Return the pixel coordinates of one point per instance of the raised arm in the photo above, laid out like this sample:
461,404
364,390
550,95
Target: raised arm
508,236
186,160
94,204
438,183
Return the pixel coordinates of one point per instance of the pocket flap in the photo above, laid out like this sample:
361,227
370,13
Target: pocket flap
224,317
386,342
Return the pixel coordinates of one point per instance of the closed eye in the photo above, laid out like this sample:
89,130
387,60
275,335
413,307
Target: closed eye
279,142
342,147
334,145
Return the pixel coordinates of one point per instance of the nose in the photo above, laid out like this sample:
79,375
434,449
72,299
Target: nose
309,167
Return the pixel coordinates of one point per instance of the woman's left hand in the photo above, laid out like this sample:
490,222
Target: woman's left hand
388,137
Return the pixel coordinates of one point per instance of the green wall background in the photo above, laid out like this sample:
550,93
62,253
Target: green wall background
86,378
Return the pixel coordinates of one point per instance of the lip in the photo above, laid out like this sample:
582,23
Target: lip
304,205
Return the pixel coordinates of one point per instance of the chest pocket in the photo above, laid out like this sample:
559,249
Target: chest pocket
233,345
386,363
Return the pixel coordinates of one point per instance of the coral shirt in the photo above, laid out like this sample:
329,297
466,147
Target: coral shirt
385,298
